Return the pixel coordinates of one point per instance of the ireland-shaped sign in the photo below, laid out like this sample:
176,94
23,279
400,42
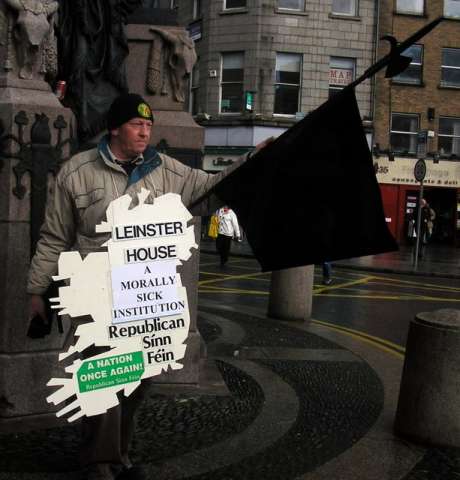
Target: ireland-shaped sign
134,299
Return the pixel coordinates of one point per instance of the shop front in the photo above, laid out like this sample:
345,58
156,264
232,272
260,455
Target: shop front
219,158
400,193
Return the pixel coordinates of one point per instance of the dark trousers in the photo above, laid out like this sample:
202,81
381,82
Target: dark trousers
326,271
223,244
106,438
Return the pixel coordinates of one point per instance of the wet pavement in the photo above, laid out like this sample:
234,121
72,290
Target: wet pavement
438,260
295,401
299,401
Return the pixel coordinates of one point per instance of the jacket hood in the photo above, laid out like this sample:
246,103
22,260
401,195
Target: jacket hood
152,160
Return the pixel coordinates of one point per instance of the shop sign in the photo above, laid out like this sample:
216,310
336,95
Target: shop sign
340,76
217,162
401,172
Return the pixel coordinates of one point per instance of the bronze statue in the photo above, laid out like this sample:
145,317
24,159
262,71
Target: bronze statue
92,50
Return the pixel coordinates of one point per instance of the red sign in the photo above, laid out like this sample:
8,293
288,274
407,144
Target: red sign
340,76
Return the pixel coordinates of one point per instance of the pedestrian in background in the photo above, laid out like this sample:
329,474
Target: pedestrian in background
430,223
228,229
327,269
423,228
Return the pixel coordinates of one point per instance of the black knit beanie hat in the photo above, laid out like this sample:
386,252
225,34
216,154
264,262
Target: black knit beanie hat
125,107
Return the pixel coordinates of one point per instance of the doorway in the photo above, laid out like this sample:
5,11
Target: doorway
444,203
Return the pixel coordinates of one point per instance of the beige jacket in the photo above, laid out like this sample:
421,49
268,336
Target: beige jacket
85,186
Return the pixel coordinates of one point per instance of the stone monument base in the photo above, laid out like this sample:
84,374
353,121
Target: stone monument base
26,364
178,129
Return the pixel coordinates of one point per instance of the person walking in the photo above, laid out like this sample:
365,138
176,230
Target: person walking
430,223
424,227
228,229
327,269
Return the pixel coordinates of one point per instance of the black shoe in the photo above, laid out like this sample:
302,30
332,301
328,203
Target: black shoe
101,471
133,473
327,281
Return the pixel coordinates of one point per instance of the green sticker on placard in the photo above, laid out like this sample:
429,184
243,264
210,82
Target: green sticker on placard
110,371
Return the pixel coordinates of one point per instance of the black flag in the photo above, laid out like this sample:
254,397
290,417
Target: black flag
311,195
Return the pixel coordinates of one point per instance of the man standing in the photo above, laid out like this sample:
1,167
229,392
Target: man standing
228,229
122,163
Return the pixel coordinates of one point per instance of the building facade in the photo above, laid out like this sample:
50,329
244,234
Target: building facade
420,109
264,64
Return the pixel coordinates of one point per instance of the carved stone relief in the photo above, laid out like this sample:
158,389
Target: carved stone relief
3,28
36,157
27,30
172,57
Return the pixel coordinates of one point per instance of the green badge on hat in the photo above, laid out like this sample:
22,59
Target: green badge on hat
144,110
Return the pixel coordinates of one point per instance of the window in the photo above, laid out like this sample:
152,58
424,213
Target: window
450,68
195,30
234,4
194,84
287,83
292,4
403,135
232,82
410,6
452,8
197,4
171,4
449,136
413,73
344,7
341,73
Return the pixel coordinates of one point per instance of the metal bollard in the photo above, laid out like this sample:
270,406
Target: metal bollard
429,399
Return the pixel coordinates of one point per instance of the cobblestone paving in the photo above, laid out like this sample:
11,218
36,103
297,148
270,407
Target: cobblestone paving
264,332
438,464
336,404
167,427
191,423
336,409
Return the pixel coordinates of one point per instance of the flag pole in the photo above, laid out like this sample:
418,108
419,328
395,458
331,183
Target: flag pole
396,52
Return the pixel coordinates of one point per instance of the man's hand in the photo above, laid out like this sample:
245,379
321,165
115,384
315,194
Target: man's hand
37,307
261,145
39,325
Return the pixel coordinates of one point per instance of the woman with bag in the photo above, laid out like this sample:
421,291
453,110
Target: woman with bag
228,229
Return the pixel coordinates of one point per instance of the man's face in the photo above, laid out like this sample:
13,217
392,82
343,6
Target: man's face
131,138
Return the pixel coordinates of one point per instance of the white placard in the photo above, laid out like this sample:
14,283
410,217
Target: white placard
135,298
145,290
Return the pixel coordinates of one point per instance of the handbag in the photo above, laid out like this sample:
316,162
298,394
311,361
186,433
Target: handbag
213,229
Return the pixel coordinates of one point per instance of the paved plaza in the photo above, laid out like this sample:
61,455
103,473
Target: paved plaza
281,400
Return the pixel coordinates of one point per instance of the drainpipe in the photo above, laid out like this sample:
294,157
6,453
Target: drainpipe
374,59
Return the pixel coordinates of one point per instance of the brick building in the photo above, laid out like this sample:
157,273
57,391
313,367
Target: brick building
263,64
424,98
